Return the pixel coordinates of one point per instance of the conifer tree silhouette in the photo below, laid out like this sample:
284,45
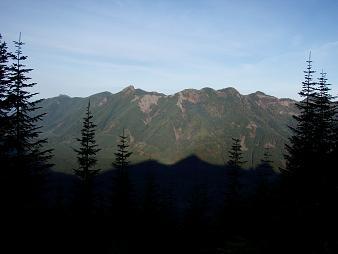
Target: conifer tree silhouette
4,107
122,155
233,166
307,179
232,198
86,154
121,182
28,159
300,149
312,141
235,154
325,119
86,157
4,122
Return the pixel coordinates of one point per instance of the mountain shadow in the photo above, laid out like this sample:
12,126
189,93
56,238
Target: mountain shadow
173,208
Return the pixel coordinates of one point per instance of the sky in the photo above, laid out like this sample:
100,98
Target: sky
80,48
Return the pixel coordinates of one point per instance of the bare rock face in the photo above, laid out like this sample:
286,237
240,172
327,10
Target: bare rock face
147,101
252,126
188,95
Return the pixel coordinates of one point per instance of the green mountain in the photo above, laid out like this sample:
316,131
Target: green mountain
169,128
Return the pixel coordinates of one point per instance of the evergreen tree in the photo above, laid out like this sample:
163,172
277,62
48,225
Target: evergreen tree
28,160
86,157
121,183
235,154
86,154
300,149
231,210
233,166
325,119
122,155
312,141
309,179
325,138
4,86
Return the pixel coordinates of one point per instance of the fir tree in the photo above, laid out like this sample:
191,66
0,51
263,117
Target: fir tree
233,166
324,141
122,155
86,154
86,157
325,119
311,144
232,198
235,154
28,159
300,149
4,86
309,179
121,183
4,121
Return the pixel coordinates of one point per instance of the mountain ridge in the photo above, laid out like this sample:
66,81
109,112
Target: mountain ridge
169,128
131,88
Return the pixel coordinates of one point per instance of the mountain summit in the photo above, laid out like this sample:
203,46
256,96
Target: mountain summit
169,128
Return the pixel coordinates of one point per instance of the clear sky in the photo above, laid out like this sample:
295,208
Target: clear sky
84,47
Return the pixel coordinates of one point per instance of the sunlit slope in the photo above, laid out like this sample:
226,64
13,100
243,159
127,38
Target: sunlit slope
170,128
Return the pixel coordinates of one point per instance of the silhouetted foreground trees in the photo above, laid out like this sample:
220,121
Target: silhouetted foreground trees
24,160
86,157
310,177
189,207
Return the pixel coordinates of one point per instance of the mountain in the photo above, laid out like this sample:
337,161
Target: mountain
168,128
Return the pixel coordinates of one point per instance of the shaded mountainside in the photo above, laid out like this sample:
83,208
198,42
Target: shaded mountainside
168,128
177,180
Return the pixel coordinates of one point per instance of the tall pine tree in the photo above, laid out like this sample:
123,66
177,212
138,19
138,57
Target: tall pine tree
86,157
233,167
309,180
28,158
86,154
231,210
325,119
300,149
122,155
121,183
235,154
4,86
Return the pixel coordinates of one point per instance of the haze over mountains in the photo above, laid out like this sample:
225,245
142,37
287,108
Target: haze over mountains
169,128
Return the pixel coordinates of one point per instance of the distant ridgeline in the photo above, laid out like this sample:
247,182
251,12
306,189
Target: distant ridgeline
169,128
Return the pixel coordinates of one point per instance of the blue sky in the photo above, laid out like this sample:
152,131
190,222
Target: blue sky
84,47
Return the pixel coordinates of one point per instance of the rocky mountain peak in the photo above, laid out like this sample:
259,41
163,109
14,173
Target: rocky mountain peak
230,90
129,90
